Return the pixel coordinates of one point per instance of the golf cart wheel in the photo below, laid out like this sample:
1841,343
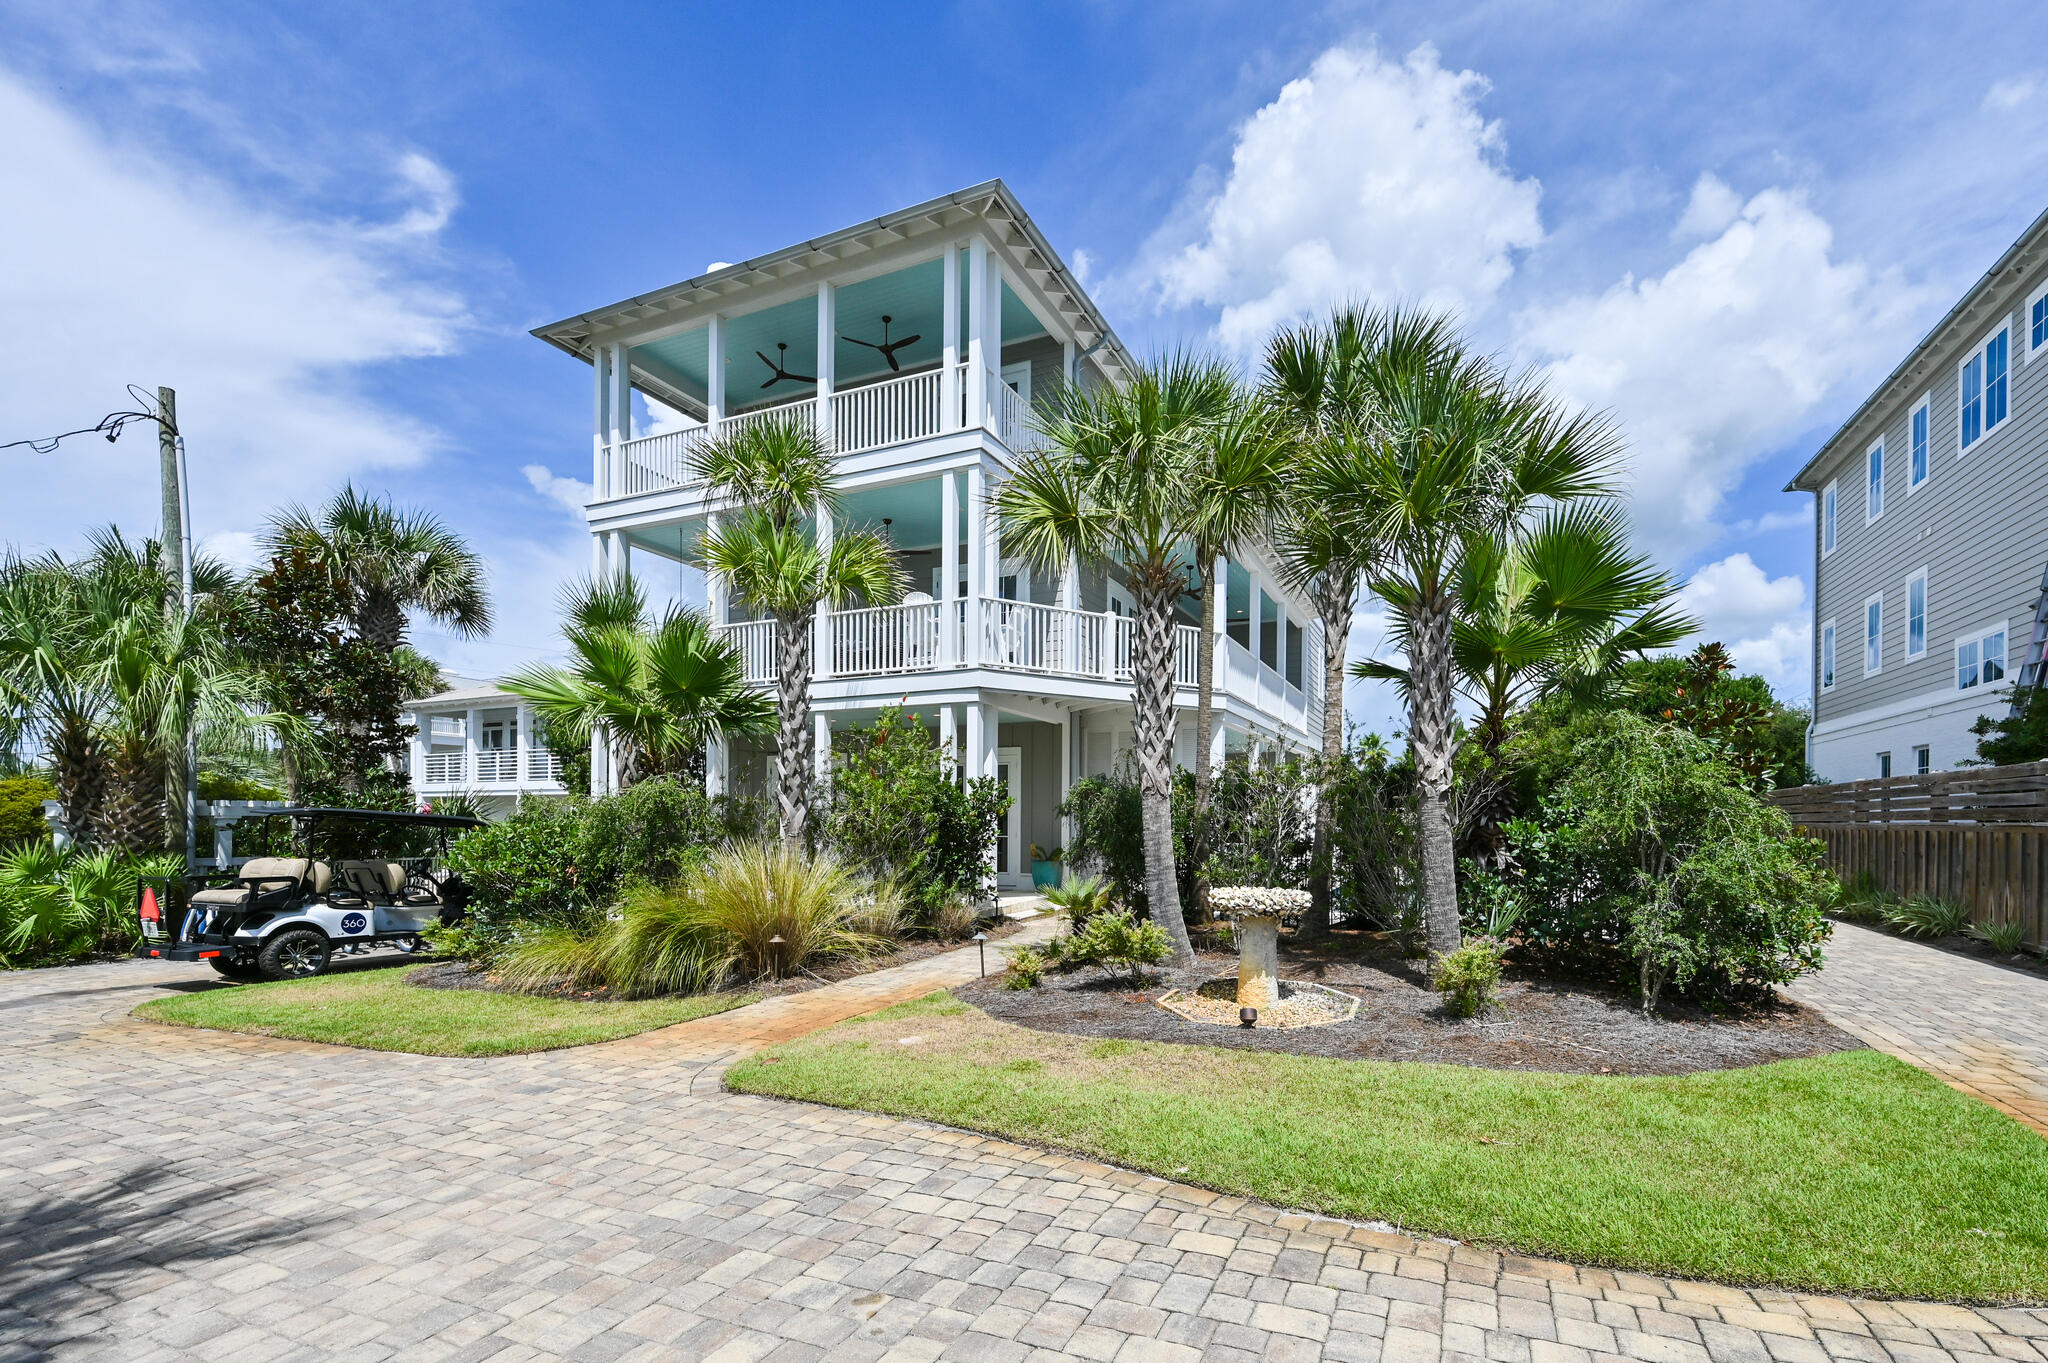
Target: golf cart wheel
413,946
244,971
294,954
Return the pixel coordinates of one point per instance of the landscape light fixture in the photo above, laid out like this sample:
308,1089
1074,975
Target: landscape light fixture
981,945
1247,1017
776,942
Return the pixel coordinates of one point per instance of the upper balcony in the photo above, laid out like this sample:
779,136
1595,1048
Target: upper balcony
943,318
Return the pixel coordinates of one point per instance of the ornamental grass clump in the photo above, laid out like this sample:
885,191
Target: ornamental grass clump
1928,916
1469,977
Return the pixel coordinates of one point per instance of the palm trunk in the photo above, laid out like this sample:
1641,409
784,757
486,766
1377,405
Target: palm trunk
1152,701
131,818
1205,728
1430,738
1333,604
78,761
793,755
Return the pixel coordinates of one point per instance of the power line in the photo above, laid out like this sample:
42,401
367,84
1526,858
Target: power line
111,425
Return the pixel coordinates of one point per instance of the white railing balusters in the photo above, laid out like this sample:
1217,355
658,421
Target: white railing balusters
886,639
893,412
755,640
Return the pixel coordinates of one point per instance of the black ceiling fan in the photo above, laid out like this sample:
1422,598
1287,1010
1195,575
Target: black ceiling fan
781,353
887,347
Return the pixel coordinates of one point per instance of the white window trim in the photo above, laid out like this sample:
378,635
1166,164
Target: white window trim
2027,319
1884,764
1923,405
1978,353
1923,759
1978,636
1829,635
1831,496
1926,609
1876,448
1876,598
1018,375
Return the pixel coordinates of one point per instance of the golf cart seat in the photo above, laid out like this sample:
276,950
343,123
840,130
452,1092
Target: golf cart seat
383,882
261,878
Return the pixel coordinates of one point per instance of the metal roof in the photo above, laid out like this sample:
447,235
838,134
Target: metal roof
991,201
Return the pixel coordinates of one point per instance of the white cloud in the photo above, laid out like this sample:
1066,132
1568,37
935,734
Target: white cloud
1364,176
2006,95
1714,363
1762,619
434,187
129,271
1711,209
567,492
239,549
658,418
1799,518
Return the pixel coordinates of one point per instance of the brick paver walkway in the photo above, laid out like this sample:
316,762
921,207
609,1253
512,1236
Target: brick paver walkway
1977,1026
173,1194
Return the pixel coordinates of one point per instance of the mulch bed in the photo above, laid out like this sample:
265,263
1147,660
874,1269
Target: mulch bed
463,975
1542,1022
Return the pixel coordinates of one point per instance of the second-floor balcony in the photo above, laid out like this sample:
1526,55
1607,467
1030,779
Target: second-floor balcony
854,420
926,637
489,767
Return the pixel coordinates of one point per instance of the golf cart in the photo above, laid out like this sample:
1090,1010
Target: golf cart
354,879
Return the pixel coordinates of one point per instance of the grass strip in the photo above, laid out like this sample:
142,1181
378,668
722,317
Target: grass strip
1851,1172
377,1010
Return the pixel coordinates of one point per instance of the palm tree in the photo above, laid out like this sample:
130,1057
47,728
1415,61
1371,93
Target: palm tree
48,685
659,688
1559,607
1454,454
1315,382
392,561
1244,468
1121,483
779,475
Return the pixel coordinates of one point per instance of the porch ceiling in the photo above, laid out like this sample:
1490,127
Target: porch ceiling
913,298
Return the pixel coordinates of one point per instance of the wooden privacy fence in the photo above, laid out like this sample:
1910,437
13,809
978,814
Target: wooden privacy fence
1977,837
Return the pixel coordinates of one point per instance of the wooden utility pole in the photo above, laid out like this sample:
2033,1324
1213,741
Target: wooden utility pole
173,544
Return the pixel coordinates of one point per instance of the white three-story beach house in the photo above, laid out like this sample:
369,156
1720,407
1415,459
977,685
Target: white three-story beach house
919,342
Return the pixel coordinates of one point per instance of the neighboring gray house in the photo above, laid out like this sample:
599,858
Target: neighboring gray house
1931,534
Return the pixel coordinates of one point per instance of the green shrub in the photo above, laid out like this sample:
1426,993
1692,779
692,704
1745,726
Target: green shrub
1080,900
1652,855
1469,977
61,906
2005,937
218,785
1928,916
524,871
651,831
1027,968
898,811
1123,945
21,810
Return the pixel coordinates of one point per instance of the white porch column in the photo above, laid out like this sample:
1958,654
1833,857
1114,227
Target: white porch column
600,763
524,753
971,759
821,744
821,641
715,758
1280,641
622,555
977,560
1256,609
1067,360
470,726
714,586
714,365
1069,734
622,403
422,740
828,332
949,352
949,566
601,422
1219,747
977,332
949,735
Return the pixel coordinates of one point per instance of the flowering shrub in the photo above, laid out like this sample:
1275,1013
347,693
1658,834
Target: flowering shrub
1256,901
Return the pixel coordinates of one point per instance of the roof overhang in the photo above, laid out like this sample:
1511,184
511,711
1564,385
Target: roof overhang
1976,311
989,204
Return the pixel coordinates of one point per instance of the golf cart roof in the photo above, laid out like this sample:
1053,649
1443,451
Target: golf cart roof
386,815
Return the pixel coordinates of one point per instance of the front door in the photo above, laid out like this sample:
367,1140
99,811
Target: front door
1013,858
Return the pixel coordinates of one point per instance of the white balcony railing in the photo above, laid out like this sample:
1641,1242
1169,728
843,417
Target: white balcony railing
870,417
877,640
444,768
497,764
490,767
755,640
542,765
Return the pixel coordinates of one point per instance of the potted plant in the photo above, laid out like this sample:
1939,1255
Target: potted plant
1045,867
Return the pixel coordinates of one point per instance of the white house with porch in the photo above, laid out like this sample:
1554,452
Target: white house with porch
481,741
918,343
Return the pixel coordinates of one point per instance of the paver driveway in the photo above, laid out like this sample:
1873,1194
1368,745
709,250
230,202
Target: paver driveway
175,1194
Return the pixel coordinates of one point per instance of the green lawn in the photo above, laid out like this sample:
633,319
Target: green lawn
1851,1172
379,1011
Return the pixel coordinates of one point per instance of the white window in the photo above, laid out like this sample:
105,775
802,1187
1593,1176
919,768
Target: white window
1923,760
1916,614
1980,658
1827,519
1827,656
2036,321
1873,478
1884,765
1917,427
1981,389
1873,634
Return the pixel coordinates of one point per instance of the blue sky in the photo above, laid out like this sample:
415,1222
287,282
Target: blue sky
330,228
